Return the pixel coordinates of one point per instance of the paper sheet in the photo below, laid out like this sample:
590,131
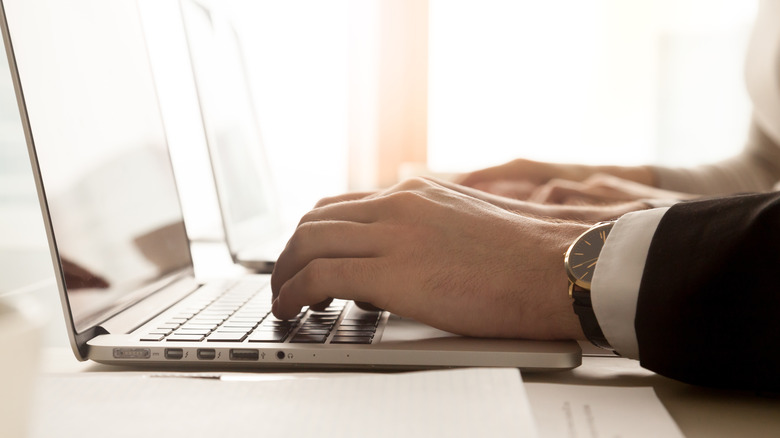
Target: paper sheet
450,403
575,411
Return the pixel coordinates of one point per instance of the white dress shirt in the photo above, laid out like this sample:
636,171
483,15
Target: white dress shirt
615,285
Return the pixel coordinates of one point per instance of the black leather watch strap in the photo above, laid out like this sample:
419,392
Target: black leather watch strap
584,309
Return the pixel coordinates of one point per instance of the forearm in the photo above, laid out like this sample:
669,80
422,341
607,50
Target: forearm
755,169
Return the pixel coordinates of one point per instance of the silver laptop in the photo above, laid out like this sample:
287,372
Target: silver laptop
253,228
118,241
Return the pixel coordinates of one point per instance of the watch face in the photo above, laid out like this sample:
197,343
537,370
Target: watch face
582,256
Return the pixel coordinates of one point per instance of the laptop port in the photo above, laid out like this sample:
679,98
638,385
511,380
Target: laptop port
174,353
132,353
280,355
244,354
206,353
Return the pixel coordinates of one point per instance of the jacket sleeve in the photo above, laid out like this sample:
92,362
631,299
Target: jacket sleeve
708,309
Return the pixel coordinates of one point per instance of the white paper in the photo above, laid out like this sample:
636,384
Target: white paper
581,411
451,403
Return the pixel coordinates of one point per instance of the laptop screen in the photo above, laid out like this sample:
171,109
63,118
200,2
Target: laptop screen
113,208
242,176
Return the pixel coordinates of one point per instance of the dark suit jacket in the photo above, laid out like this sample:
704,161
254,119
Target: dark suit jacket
708,310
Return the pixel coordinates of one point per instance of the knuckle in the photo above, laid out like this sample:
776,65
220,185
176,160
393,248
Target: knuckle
304,231
557,183
294,244
413,183
519,162
400,201
599,179
313,274
308,217
326,201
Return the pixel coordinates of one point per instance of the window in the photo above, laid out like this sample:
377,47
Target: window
567,80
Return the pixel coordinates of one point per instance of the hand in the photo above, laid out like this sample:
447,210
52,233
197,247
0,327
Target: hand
521,178
587,213
600,189
427,252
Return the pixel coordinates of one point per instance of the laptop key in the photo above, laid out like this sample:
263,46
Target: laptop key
315,326
309,339
184,338
312,331
226,337
369,334
267,336
350,340
192,331
357,328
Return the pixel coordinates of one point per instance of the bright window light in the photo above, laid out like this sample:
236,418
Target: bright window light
586,81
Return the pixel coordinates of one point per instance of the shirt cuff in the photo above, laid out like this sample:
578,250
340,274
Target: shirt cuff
658,203
615,285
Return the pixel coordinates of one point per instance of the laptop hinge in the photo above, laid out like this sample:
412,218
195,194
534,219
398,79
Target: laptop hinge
141,312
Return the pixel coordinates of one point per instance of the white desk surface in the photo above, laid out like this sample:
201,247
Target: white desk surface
699,412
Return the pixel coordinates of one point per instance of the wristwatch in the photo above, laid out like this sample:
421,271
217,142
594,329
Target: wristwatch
580,262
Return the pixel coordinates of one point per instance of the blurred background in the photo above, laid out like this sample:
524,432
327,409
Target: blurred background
350,94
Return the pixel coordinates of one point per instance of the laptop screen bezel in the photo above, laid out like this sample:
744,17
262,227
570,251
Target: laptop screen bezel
240,234
80,338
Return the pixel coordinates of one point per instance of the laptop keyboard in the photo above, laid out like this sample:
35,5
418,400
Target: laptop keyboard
241,312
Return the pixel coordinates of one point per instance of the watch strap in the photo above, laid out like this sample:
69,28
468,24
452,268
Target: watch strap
590,326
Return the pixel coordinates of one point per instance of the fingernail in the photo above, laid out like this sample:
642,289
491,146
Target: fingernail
275,306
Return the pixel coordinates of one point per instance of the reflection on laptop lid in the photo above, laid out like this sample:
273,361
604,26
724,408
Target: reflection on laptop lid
100,158
250,211
117,239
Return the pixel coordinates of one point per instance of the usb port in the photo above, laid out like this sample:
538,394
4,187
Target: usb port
244,354
174,353
206,353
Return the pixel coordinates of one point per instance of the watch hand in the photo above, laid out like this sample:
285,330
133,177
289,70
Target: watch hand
587,261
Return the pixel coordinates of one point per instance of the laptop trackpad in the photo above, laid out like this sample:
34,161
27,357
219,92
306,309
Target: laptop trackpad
405,329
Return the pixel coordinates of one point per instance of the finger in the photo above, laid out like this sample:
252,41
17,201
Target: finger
584,195
481,176
370,208
518,189
492,198
320,279
554,191
322,305
605,180
325,239
360,210
367,306
516,170
342,198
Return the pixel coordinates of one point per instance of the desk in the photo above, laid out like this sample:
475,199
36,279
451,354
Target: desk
699,412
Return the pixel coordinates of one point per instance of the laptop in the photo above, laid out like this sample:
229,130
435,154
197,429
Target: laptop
118,241
254,231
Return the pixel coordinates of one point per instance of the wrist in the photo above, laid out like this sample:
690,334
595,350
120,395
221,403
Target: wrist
563,321
580,263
